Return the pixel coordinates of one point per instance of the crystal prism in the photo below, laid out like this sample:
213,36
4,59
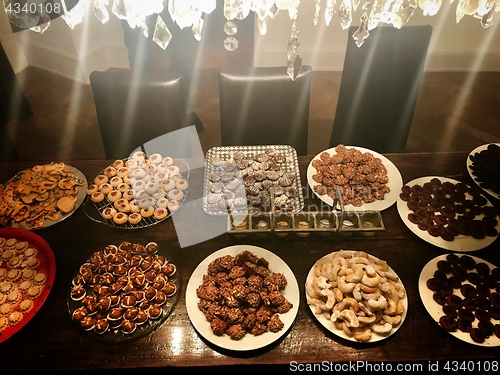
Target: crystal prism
317,8
162,35
294,67
345,14
100,11
231,43
362,32
197,29
487,19
230,28
294,62
118,9
329,11
262,25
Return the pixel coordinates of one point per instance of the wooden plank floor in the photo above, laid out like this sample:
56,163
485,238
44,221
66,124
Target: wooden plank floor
456,111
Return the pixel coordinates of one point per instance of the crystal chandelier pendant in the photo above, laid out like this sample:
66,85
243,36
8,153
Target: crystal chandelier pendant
317,8
345,14
100,11
230,43
230,28
162,35
197,29
329,11
362,32
294,61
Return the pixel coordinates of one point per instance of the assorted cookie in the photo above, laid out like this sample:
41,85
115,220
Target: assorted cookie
449,209
40,193
122,288
485,167
138,191
468,291
22,280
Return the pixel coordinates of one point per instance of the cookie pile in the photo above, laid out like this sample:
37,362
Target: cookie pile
22,280
122,287
244,181
449,209
468,291
43,192
138,190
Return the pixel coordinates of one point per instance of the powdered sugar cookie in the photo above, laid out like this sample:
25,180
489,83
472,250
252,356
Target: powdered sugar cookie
155,158
175,194
168,184
181,184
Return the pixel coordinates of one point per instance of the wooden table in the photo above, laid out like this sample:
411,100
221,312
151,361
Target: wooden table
51,340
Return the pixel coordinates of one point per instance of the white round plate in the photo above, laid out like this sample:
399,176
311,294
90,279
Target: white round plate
328,324
248,342
460,243
395,183
436,310
469,169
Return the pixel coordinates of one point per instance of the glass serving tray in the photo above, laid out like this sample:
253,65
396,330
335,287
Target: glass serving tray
303,223
238,179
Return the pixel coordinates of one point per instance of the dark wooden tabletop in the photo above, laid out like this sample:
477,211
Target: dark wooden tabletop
52,341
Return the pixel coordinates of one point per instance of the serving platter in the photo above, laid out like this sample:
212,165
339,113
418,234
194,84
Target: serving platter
47,222
238,194
144,281
394,182
435,310
461,243
473,175
324,319
248,342
46,267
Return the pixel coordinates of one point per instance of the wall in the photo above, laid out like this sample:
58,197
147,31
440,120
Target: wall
92,45
463,46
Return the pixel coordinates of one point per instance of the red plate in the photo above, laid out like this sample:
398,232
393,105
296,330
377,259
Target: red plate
47,265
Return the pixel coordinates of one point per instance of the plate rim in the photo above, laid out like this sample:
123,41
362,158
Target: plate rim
468,164
458,243
249,342
435,315
327,324
44,248
378,205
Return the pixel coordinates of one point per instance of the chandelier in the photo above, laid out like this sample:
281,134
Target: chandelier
37,14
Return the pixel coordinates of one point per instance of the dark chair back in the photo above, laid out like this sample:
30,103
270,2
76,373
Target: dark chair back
379,88
263,106
133,108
